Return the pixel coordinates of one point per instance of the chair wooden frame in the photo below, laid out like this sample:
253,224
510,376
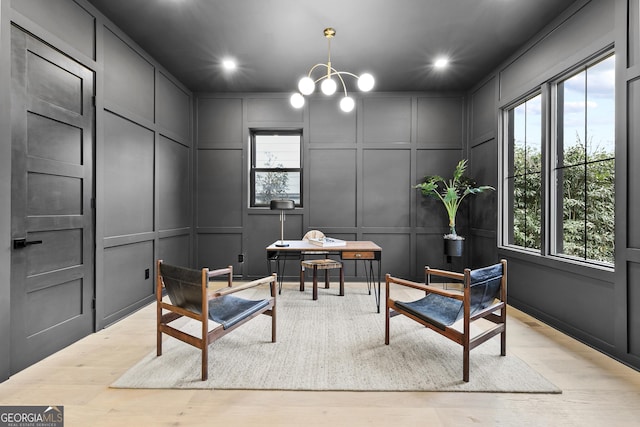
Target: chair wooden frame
168,312
463,338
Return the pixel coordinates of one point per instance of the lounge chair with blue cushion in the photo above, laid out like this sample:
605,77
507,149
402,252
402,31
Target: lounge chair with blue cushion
483,296
189,296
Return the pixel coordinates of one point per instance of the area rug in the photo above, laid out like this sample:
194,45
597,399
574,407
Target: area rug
333,343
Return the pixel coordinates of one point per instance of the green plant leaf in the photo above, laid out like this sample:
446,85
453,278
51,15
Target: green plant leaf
451,192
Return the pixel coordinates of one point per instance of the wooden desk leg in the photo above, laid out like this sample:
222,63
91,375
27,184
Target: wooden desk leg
301,279
315,282
326,279
341,281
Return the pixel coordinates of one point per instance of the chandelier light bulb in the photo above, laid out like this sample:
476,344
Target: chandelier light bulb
366,82
328,86
346,104
306,85
297,100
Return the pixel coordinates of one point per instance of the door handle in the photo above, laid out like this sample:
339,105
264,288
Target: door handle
23,243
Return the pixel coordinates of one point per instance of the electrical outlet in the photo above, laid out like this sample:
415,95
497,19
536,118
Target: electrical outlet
146,274
241,258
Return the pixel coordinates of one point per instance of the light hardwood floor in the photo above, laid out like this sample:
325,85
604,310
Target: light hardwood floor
597,390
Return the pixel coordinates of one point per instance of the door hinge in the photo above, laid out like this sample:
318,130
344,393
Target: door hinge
93,303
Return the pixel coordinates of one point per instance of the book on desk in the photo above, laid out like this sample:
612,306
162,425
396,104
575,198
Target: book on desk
327,242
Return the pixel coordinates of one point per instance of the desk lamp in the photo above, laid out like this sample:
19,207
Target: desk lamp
282,205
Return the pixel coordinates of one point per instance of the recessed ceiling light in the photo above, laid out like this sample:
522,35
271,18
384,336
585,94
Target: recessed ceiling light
229,64
441,62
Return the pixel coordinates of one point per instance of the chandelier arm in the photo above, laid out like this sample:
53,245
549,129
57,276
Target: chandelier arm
329,67
323,76
337,73
332,72
313,68
348,73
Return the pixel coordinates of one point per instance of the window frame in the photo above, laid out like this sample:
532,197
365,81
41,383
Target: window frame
253,169
509,199
556,170
551,217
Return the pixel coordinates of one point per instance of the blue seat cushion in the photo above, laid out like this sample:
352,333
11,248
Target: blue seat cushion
436,309
229,310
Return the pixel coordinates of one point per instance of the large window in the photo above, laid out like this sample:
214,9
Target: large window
276,171
580,170
584,169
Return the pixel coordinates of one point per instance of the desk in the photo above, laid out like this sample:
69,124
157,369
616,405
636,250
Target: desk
352,250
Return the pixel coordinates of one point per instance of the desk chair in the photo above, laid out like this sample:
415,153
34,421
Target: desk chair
325,264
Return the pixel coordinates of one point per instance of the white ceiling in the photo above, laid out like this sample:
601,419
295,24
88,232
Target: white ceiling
275,42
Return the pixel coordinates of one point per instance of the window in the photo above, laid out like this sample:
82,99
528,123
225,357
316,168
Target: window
524,177
276,171
584,167
581,168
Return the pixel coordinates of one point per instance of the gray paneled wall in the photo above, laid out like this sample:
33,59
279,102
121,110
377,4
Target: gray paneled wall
328,125
145,191
358,170
331,169
386,183
633,277
441,122
174,182
484,168
173,109
631,256
533,283
594,304
70,21
387,120
567,43
143,161
633,152
125,281
219,123
128,78
128,177
219,197
483,112
483,207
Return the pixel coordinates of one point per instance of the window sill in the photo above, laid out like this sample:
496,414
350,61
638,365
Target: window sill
565,264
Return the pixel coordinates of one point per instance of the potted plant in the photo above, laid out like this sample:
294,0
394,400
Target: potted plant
451,193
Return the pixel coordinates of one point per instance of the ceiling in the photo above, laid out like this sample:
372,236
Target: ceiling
275,42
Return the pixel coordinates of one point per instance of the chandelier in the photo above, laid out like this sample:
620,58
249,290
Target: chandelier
307,84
